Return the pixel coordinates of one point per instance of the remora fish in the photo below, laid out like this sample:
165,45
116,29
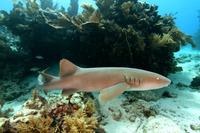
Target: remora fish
110,81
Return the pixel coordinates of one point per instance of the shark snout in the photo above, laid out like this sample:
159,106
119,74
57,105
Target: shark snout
168,81
164,82
156,82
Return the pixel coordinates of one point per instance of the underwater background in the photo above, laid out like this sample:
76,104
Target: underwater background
155,35
187,19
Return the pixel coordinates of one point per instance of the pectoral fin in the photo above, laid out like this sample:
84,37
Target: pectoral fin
113,91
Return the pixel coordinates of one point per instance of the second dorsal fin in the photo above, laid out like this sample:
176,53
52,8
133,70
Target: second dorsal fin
66,67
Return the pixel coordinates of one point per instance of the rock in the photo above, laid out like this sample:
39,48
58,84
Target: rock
103,123
131,98
142,109
181,86
161,125
195,126
12,90
132,118
116,115
195,83
169,95
147,95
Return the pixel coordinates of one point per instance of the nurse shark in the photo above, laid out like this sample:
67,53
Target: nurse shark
109,81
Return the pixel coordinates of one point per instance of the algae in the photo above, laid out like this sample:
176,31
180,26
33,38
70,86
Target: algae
126,8
96,16
88,9
63,22
158,41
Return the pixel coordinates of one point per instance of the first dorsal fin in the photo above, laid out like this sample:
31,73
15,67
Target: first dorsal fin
66,67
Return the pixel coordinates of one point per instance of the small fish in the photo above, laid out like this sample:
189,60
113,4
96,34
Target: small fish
39,57
34,69
14,0
110,81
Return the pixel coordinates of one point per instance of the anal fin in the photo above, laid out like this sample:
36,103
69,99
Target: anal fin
113,91
66,92
45,91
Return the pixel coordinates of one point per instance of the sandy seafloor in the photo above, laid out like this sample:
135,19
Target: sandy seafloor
183,110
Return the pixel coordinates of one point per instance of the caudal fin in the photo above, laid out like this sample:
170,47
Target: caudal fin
43,77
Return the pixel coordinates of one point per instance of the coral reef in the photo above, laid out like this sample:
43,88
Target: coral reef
39,115
12,68
118,33
9,56
11,90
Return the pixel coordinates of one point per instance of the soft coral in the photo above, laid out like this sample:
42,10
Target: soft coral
36,125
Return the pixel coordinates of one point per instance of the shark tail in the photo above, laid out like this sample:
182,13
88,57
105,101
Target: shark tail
43,77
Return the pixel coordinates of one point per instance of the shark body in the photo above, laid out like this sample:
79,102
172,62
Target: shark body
109,81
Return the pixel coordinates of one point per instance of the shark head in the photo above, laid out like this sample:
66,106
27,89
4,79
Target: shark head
150,81
155,81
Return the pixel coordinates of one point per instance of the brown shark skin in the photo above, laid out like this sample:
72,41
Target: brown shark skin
97,79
